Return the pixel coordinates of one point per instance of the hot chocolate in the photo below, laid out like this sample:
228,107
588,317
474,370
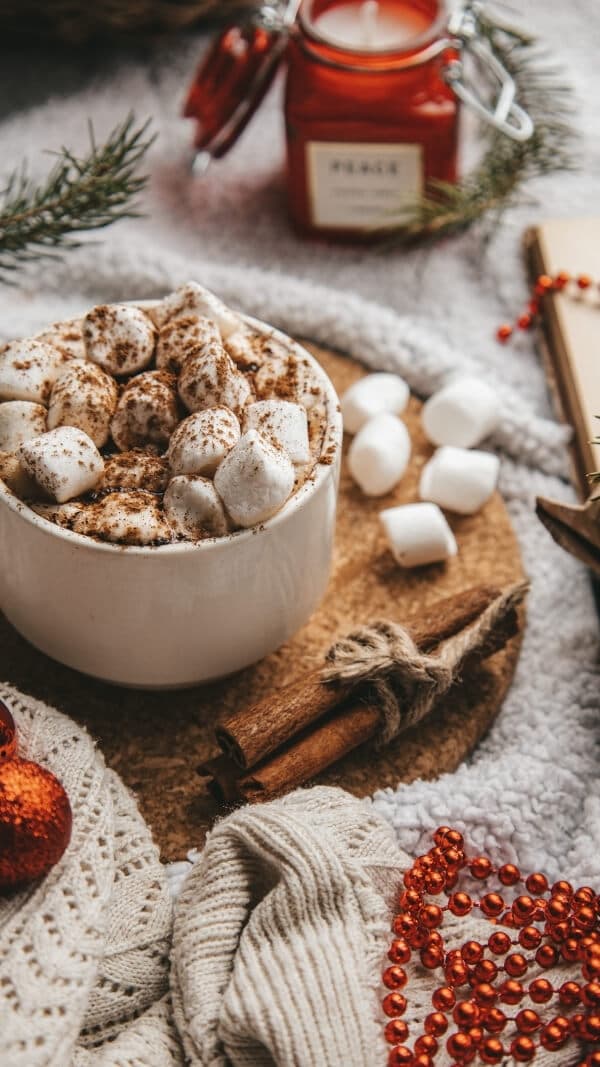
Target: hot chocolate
148,425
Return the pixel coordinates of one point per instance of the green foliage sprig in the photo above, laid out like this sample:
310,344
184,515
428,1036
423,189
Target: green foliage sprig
496,183
79,194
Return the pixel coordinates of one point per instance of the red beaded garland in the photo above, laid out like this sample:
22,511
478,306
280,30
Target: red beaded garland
569,927
544,284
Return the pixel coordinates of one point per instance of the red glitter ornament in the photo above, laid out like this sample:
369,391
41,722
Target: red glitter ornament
8,734
35,821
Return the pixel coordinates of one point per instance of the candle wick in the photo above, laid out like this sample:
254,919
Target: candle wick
369,11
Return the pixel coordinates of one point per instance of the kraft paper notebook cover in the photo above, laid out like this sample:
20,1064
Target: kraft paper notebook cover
571,336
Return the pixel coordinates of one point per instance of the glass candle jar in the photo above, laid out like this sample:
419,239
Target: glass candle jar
371,102
369,116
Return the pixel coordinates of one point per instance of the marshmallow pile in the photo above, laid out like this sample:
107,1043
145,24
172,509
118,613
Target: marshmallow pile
144,426
458,477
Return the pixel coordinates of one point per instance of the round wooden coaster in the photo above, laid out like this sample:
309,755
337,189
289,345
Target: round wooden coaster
156,740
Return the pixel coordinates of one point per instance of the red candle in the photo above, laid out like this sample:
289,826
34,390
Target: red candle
369,117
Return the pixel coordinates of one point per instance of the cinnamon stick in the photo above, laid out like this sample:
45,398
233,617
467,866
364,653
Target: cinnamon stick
221,775
337,735
254,733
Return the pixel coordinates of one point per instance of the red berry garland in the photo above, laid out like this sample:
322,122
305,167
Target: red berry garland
484,1008
543,285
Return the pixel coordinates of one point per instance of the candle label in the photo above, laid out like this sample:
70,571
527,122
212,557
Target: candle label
361,186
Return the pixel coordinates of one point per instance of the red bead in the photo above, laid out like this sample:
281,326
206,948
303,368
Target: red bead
524,321
426,1044
431,916
485,994
395,977
523,1048
443,999
460,904
411,900
453,857
593,1060
419,937
434,882
491,904
394,1004
495,1020
523,908
423,1060
504,332
511,992
456,973
455,838
413,879
561,279
440,835
435,1024
569,950
590,994
553,1037
546,956
396,1031
480,867
509,874
432,956
399,952
485,971
492,1050
529,937
404,924
459,1045
476,1035
541,991
545,282
537,884
528,1021
435,938
499,943
466,1014
400,1057
584,281
584,895
569,993
557,909
515,965
471,952
534,307
592,1027
585,919
558,931
562,888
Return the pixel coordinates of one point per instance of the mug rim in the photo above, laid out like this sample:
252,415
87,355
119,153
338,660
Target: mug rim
333,435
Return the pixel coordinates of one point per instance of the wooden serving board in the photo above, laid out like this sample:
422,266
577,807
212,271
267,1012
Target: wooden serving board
155,740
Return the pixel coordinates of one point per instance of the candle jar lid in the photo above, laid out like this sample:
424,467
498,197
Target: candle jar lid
241,63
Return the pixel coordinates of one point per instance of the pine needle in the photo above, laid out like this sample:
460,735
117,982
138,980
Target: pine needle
79,194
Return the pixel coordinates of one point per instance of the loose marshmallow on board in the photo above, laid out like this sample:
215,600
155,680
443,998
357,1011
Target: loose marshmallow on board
193,299
379,454
85,396
209,378
254,480
179,336
193,507
418,534
372,396
129,518
28,370
283,421
63,462
201,442
119,337
462,414
20,420
147,411
459,479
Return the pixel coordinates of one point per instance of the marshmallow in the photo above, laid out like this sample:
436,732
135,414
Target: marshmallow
130,518
193,299
179,336
146,412
461,414
282,421
64,462
60,514
66,337
459,479
209,379
254,480
286,375
135,470
20,420
372,396
379,454
28,370
201,442
418,534
16,478
84,396
119,337
193,508
245,347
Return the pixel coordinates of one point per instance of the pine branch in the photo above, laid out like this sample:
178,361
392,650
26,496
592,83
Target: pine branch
78,194
506,165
